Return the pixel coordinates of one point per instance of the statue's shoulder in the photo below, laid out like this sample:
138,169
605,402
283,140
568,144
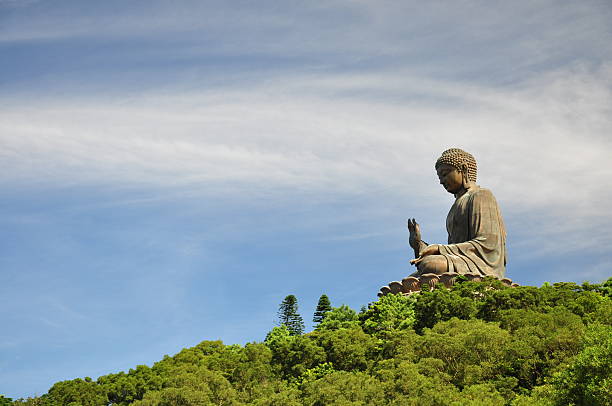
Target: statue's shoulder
481,193
477,189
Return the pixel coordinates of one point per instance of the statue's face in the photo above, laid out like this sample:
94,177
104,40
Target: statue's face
450,177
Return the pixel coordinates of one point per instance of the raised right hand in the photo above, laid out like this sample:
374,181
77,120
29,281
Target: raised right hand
415,233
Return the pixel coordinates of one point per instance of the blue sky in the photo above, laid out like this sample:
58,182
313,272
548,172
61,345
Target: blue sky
170,171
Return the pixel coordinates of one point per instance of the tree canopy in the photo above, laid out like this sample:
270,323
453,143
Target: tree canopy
323,306
288,315
477,344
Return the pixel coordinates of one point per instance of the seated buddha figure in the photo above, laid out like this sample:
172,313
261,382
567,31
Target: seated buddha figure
476,232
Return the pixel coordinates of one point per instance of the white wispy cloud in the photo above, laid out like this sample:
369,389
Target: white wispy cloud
427,35
542,146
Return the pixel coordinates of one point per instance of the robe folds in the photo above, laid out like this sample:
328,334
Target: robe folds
476,235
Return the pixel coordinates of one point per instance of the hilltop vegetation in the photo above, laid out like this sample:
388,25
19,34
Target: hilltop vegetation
477,344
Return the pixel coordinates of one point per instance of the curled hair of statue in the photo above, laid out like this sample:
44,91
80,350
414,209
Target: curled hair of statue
456,157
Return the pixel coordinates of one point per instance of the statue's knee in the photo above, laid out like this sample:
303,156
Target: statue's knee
433,264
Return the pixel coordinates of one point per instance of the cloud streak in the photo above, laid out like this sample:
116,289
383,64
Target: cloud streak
542,146
439,38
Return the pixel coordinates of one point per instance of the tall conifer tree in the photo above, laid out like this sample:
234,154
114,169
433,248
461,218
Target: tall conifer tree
289,316
323,307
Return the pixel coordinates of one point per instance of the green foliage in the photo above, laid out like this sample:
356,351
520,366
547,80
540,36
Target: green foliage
347,349
253,375
5,401
344,388
77,392
483,394
587,378
488,299
317,372
323,307
471,351
339,317
605,289
442,304
284,395
541,341
568,295
539,396
390,312
36,401
277,335
405,385
122,388
475,344
293,355
192,386
289,316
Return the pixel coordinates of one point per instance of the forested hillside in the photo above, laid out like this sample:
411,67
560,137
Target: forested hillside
477,344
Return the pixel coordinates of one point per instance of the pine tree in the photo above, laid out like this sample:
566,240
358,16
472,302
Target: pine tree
289,316
322,307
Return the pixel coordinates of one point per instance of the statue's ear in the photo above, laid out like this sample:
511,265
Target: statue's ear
466,178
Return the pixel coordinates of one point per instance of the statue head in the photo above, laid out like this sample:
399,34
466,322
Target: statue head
456,170
460,160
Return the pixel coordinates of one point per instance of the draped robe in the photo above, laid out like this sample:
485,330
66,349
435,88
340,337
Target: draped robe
476,235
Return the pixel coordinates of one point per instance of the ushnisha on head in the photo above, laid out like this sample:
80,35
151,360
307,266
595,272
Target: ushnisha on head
460,160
